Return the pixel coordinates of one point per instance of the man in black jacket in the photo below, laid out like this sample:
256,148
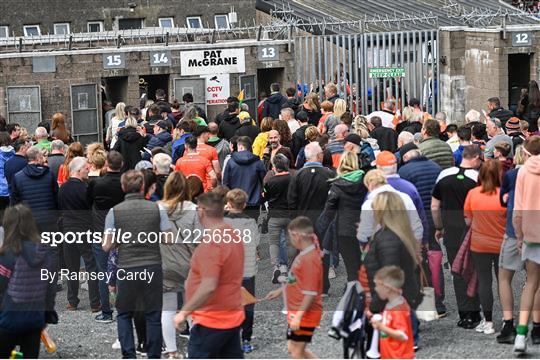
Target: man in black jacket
308,192
76,219
230,122
497,111
103,194
299,136
274,103
386,137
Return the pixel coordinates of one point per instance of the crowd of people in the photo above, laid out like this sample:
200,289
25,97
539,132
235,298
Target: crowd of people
385,193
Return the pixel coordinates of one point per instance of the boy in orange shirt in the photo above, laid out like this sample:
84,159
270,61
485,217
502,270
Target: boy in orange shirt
396,336
303,289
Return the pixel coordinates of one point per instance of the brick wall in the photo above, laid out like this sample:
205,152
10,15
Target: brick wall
16,13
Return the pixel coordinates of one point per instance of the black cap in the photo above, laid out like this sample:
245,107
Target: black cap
354,138
406,148
302,116
162,124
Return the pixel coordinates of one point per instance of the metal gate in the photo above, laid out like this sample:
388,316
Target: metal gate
248,83
85,126
195,86
24,106
372,67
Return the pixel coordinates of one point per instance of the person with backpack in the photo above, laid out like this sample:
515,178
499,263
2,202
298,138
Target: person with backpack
26,300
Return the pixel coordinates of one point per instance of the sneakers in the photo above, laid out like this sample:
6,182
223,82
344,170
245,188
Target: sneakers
141,350
116,345
469,322
275,275
185,333
485,327
331,273
247,347
442,314
535,335
283,274
104,318
520,344
507,335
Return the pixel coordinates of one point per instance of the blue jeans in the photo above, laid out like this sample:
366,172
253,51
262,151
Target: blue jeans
415,327
207,343
129,293
101,262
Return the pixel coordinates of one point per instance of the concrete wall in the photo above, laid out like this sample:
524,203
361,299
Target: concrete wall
476,68
87,68
16,13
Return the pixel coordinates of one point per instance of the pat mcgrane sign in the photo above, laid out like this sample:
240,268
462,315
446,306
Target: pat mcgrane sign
207,62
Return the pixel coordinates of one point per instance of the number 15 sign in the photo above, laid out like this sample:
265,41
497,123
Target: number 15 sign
114,61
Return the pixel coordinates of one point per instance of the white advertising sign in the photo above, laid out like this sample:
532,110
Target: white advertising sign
217,89
211,62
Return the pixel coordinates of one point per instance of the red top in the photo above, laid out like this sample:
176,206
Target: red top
223,261
397,316
305,278
195,164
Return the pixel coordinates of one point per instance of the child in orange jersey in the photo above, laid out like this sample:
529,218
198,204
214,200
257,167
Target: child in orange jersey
303,289
396,336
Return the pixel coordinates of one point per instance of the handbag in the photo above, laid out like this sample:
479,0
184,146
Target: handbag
435,262
426,311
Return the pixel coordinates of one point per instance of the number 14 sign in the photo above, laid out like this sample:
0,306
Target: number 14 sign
160,58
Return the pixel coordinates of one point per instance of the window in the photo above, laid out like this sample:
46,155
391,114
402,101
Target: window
222,21
61,29
166,22
4,32
95,26
126,24
32,30
194,22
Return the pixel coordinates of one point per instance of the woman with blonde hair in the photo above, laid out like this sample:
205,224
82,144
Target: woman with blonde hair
312,107
393,244
345,197
59,130
340,107
74,150
260,142
176,257
93,147
119,116
96,160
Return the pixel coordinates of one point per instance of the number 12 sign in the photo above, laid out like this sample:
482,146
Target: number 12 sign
114,61
522,39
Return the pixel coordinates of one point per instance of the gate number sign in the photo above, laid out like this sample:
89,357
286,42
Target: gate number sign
268,53
375,73
114,61
522,39
160,58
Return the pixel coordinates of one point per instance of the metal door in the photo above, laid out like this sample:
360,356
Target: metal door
24,106
85,126
195,86
372,67
248,83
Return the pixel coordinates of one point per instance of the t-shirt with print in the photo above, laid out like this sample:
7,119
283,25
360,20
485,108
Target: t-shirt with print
224,261
195,164
451,189
305,278
397,316
488,220
207,151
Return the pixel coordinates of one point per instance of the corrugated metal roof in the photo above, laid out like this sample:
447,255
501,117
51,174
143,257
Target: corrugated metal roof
415,14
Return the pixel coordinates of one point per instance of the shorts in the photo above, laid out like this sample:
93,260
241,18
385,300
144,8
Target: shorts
303,335
510,259
530,252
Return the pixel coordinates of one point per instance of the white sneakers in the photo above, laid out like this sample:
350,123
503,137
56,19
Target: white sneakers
116,345
485,327
520,344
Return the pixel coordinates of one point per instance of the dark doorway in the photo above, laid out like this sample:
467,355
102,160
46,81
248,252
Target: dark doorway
151,83
265,77
519,75
115,89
